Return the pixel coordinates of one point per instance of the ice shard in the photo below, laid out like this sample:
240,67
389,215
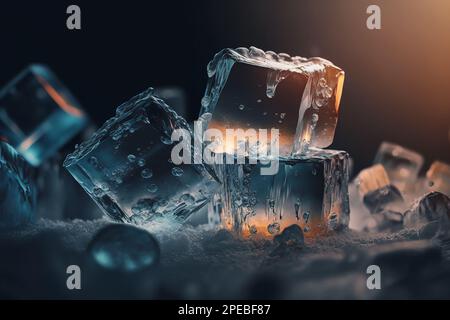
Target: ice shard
38,114
438,177
251,88
309,191
126,166
17,189
401,164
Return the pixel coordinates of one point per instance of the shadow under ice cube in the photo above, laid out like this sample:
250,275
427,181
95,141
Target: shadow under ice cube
250,88
309,191
17,190
38,114
126,166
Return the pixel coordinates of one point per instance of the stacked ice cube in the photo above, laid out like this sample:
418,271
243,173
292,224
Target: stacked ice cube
250,89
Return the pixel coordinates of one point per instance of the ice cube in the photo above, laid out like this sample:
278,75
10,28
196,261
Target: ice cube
309,191
250,88
175,97
376,191
402,165
431,207
17,189
386,221
38,114
438,177
123,248
126,166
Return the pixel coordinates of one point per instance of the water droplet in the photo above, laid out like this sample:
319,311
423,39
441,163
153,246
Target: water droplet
124,248
306,216
152,188
252,229
282,115
166,140
131,158
306,229
265,113
314,171
430,183
177,172
297,207
315,118
259,101
322,82
187,199
146,173
93,161
241,107
273,228
141,162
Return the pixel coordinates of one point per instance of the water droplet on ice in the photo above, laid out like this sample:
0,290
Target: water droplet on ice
273,228
146,173
152,188
241,107
177,172
131,158
141,162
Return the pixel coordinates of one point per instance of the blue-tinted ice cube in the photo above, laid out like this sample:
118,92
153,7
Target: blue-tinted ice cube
253,89
126,166
310,191
17,190
38,114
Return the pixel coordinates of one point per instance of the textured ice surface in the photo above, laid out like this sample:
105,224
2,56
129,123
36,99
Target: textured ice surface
438,177
38,114
402,165
126,166
310,191
124,248
250,88
17,190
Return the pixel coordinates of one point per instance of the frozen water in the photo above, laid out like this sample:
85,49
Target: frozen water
309,191
250,88
438,177
431,207
124,248
38,114
376,191
175,97
391,221
17,190
150,187
402,165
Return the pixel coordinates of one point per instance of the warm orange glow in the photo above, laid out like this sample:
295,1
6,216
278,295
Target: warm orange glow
60,101
28,142
339,88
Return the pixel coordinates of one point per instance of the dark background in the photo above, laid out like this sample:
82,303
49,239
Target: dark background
397,84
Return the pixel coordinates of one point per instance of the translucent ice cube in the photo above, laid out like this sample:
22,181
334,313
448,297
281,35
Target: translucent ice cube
250,88
126,166
438,177
310,191
17,190
402,165
38,114
376,190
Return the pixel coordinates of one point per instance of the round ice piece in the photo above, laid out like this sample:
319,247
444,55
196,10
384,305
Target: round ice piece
124,248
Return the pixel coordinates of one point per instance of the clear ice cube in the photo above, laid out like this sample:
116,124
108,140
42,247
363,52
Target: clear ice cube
38,114
402,165
126,166
250,88
309,191
438,177
17,189
376,191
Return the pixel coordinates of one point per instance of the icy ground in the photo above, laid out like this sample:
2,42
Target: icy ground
197,263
